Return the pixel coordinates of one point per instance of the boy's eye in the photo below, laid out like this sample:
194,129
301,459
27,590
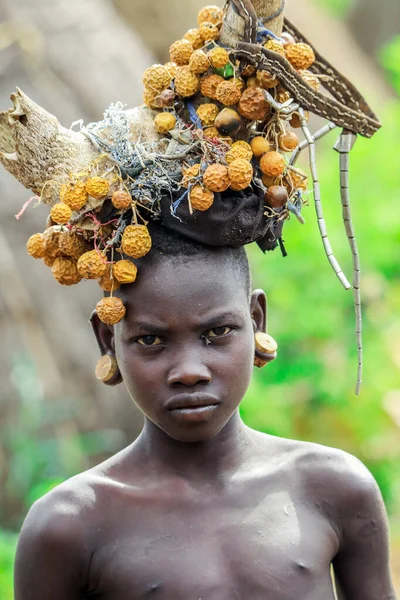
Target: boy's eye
149,340
218,332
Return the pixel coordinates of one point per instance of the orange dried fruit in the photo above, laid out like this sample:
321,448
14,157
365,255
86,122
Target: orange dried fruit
209,31
219,57
49,260
157,78
239,149
97,187
216,178
207,113
111,310
240,174
189,174
108,283
164,122
61,213
71,244
75,195
272,164
228,93
300,56
211,14
51,236
186,82
266,80
180,52
201,198
199,62
211,132
275,46
193,36
121,199
310,78
65,271
92,265
125,271
36,246
295,121
288,141
136,241
209,84
260,145
253,104
268,181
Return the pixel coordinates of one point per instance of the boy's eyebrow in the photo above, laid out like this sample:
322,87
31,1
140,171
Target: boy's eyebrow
227,317
152,329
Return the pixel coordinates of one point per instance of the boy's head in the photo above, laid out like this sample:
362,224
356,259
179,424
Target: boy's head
185,348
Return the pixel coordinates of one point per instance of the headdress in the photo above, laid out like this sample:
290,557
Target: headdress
211,154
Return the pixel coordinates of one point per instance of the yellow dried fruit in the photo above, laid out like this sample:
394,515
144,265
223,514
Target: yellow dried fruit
219,57
209,84
49,260
36,246
239,82
65,271
239,150
125,271
149,97
240,174
201,198
121,199
72,245
61,213
193,36
186,83
136,241
108,283
288,141
310,78
295,121
228,122
268,181
260,145
300,56
211,132
189,174
207,113
216,178
275,46
252,82
92,265
51,236
211,14
296,179
75,196
111,310
283,96
199,62
172,68
253,104
157,78
209,31
272,164
266,80
164,122
228,93
180,52
97,187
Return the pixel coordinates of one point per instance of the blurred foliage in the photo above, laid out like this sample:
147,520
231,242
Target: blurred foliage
390,59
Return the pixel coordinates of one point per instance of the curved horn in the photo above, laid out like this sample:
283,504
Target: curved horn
234,25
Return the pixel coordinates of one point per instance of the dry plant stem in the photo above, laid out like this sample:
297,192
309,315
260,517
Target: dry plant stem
240,15
318,204
344,145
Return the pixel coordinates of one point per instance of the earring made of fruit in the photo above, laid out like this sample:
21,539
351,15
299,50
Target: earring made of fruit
265,350
107,370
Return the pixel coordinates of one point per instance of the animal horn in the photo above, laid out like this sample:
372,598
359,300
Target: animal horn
272,11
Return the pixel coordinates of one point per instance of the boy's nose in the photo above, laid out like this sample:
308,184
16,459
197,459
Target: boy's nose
189,371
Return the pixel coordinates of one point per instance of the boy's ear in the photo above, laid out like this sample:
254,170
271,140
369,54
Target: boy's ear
258,310
104,335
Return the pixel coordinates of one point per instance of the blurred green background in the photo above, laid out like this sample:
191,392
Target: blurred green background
308,393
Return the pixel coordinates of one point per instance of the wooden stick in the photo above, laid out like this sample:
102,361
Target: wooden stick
236,22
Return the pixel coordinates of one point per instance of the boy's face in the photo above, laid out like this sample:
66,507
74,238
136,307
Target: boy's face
186,346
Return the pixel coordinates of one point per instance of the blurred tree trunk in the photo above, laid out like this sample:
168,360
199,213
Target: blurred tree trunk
374,23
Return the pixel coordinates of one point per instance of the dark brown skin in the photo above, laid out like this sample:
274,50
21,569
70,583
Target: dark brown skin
200,507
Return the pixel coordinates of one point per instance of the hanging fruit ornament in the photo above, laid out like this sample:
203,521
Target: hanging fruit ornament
108,283
219,57
228,93
253,104
121,199
164,122
295,121
201,198
149,98
209,31
216,178
172,68
125,271
269,181
180,52
75,195
239,150
71,244
272,164
288,141
136,241
211,133
97,187
265,80
207,113
209,84
240,174
260,145
35,246
211,14
65,271
92,265
199,62
61,213
266,345
49,260
189,174
157,78
300,56
296,179
277,196
106,368
193,36
275,46
111,310
186,83
228,122
51,237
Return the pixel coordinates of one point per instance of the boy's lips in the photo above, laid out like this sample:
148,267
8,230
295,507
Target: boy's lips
192,402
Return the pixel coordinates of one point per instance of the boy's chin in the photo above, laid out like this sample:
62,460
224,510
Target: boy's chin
194,434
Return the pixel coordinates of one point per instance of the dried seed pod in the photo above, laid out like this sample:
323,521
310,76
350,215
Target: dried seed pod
277,196
201,198
209,84
268,181
180,52
51,236
193,36
287,39
216,178
111,310
283,96
260,145
211,14
125,271
228,93
296,179
164,99
240,174
248,71
199,62
211,133
106,368
228,122
209,31
272,164
49,260
252,82
108,283
253,104
97,187
239,82
121,199
61,213
172,68
149,98
239,150
186,83
157,78
266,80
300,56
136,241
219,57
295,120
275,46
265,343
65,271
75,195
71,244
36,246
92,265
310,78
288,141
164,122
190,174
207,113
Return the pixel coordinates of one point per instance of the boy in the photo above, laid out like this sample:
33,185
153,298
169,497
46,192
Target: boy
200,506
